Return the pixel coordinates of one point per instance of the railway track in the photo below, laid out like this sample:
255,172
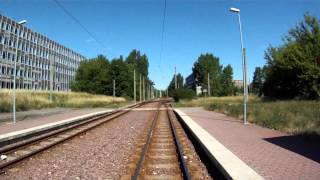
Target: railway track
25,148
165,151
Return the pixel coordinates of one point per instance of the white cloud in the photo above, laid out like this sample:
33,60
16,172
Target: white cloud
90,40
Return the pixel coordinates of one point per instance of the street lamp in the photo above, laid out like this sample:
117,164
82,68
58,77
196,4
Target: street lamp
244,68
15,71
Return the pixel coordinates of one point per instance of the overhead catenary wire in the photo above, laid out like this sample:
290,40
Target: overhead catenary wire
162,34
79,23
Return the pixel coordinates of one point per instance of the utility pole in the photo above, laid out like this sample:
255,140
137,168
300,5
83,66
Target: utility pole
245,78
51,78
209,93
150,92
147,91
144,90
175,78
114,89
134,86
140,90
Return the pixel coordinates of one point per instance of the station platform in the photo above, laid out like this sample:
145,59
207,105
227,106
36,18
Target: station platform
253,152
39,118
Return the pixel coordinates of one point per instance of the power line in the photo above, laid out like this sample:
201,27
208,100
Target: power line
162,33
79,23
163,26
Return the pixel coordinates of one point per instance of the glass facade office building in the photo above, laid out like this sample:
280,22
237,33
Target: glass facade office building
40,62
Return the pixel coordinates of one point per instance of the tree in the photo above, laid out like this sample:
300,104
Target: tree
258,80
119,72
96,75
207,63
91,76
171,86
141,64
292,70
227,81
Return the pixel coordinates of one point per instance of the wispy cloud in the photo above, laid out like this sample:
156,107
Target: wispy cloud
90,40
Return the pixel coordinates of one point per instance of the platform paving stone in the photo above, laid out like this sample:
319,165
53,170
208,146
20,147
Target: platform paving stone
273,154
36,118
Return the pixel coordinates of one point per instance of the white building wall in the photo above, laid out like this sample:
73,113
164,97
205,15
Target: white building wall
39,58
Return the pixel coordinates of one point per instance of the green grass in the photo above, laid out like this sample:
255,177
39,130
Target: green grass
293,117
26,100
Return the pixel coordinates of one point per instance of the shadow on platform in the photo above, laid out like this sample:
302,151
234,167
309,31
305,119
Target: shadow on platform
299,145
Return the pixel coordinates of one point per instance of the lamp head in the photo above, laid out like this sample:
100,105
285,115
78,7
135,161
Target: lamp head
22,22
235,10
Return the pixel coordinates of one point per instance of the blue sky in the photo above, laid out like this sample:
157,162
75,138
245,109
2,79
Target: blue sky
192,27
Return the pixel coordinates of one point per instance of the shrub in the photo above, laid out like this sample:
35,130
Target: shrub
183,94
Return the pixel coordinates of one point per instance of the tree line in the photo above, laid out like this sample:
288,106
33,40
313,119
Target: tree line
96,75
208,66
292,70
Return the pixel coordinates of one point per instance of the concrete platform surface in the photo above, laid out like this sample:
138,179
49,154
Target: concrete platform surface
41,117
270,153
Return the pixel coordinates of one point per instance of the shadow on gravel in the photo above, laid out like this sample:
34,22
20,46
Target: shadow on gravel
298,144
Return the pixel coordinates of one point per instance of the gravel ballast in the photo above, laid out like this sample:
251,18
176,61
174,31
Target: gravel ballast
101,153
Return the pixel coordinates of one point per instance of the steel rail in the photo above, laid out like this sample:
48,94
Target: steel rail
29,143
183,164
64,128
146,145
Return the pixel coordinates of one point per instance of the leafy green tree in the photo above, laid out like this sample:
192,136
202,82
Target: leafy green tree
171,86
92,76
227,81
258,80
119,72
292,70
207,63
96,75
141,64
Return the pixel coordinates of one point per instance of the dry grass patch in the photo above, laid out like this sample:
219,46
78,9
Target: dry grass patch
293,117
27,99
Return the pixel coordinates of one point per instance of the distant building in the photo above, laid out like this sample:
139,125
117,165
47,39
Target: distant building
238,83
192,83
41,62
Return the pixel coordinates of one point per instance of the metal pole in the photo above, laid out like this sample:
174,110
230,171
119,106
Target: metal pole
244,74
114,89
147,92
140,90
134,86
51,78
14,81
209,93
144,91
